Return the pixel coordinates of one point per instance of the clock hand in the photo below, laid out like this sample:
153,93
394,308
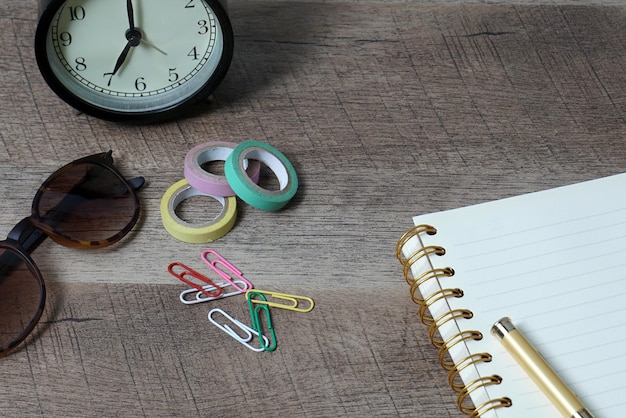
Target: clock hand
131,24
122,57
131,15
134,30
133,36
150,44
132,41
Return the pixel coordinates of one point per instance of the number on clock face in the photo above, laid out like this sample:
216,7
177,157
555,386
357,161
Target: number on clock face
173,42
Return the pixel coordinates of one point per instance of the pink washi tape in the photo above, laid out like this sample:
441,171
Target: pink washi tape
210,183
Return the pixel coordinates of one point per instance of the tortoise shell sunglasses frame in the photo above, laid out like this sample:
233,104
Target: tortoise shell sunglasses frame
91,180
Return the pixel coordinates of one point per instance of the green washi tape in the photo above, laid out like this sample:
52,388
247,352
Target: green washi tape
246,189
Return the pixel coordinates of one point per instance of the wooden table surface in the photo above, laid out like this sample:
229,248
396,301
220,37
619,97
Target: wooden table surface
387,110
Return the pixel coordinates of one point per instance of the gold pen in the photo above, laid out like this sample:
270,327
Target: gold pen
539,370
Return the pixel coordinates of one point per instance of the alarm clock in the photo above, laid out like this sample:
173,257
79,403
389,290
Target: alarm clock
133,60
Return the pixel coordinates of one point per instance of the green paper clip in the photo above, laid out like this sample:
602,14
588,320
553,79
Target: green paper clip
257,324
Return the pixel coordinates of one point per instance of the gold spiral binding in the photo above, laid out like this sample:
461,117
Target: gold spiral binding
479,383
418,255
433,298
460,337
424,277
413,232
490,405
425,302
452,315
468,361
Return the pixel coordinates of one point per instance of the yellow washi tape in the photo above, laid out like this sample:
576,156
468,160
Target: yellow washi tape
195,233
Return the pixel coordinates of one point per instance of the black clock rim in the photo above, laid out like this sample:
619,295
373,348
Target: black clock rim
159,115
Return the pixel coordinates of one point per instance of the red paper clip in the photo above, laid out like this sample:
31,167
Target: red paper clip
182,276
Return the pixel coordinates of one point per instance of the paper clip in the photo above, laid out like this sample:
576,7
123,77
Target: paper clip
191,296
293,305
228,272
249,333
182,276
258,326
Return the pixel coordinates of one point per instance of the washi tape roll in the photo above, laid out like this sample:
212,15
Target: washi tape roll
246,189
210,183
195,232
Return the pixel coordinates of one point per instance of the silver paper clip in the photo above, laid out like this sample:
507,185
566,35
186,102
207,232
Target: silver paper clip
186,296
248,332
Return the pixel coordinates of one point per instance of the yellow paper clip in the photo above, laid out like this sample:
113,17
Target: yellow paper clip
293,301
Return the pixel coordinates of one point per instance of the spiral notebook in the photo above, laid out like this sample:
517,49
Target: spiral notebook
555,262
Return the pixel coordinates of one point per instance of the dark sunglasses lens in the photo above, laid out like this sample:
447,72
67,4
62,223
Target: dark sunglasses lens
21,298
88,202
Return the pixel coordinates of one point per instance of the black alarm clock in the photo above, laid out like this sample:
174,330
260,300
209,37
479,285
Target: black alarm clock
133,60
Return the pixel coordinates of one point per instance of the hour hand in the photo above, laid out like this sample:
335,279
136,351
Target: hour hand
122,57
134,38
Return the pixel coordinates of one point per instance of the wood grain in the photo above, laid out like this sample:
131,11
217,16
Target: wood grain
386,110
126,349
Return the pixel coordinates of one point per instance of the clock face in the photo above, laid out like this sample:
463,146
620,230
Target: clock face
134,56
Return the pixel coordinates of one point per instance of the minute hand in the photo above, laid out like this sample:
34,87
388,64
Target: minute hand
131,15
133,36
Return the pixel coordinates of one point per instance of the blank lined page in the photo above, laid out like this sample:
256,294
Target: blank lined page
555,262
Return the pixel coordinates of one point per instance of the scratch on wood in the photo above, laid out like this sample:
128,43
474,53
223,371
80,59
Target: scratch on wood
486,33
77,320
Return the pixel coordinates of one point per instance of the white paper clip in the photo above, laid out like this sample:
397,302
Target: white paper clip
249,333
187,296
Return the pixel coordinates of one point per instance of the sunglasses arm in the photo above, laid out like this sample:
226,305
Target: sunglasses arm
27,235
137,182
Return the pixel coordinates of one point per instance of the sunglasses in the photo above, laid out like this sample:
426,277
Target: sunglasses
86,203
